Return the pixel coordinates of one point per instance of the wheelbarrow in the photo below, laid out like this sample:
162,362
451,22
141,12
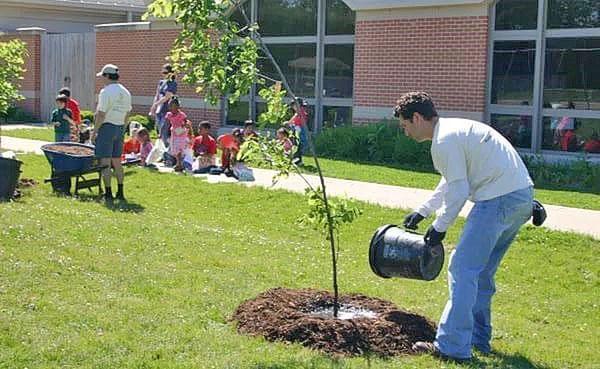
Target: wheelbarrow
70,160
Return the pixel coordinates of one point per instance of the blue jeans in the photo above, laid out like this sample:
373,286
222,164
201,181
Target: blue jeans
163,129
62,137
489,230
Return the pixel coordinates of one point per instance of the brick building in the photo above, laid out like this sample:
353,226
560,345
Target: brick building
524,66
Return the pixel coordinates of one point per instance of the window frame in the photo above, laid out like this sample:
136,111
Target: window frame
535,110
320,40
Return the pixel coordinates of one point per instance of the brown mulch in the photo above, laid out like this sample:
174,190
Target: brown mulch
282,314
73,150
26,182
23,183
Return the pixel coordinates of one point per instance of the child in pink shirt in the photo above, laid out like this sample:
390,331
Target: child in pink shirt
283,136
145,144
180,131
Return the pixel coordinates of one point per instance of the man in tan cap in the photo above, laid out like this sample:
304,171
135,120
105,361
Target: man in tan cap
114,105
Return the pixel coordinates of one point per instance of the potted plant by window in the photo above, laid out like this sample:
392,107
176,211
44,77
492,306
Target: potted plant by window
12,58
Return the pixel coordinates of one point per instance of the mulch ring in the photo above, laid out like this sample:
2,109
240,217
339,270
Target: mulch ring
282,314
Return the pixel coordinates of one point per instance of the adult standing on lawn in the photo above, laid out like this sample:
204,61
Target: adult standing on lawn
73,106
475,162
299,122
114,105
167,88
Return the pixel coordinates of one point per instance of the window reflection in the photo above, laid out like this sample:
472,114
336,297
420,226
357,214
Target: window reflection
335,116
515,128
513,72
287,17
573,13
338,71
237,113
516,14
340,18
571,73
298,64
570,134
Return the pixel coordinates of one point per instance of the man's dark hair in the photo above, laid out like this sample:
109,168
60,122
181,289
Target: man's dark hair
205,124
112,76
415,102
248,123
65,91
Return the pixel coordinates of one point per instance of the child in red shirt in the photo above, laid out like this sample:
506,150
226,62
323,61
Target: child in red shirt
230,145
204,147
131,145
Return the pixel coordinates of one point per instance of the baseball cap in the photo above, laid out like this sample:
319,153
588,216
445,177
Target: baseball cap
108,69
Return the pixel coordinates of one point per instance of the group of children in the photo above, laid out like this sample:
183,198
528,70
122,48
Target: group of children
182,144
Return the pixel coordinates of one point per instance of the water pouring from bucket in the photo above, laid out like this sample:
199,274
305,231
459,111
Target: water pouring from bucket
395,252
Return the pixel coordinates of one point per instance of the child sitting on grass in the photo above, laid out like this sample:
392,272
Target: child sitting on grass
143,137
180,132
205,148
131,146
283,136
62,120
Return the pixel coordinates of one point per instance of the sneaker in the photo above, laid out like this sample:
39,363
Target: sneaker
429,348
120,196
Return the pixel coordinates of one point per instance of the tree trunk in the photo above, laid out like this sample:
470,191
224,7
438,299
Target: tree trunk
311,146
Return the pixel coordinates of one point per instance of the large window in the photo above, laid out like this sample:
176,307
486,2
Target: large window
516,128
298,64
572,76
516,14
573,13
339,18
287,17
338,71
544,92
318,62
513,72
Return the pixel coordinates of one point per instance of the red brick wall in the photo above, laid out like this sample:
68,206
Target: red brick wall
140,56
31,79
444,56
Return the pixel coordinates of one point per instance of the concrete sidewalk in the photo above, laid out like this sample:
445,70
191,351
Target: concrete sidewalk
560,218
9,127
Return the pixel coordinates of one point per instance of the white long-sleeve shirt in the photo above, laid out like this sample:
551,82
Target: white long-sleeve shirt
475,162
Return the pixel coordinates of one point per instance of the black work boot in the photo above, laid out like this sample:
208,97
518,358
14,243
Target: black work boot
120,195
108,195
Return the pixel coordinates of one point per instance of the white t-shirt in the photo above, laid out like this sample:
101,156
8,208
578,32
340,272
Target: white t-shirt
115,101
466,149
475,162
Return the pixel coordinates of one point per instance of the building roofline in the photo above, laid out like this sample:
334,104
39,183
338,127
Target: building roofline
391,4
78,4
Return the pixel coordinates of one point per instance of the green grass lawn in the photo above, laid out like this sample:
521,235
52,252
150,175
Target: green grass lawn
426,180
384,175
41,134
153,283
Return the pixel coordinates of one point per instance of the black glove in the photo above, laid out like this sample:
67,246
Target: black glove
433,237
412,220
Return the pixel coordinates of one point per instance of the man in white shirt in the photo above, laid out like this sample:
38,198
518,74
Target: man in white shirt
114,105
479,164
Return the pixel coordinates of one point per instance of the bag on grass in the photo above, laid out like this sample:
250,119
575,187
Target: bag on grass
538,214
243,173
188,159
156,153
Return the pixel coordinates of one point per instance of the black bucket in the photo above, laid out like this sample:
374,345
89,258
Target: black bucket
10,171
395,252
